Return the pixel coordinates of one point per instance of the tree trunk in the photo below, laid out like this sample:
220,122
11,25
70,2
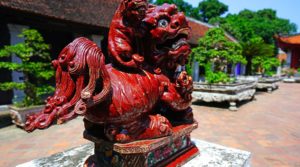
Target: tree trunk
249,65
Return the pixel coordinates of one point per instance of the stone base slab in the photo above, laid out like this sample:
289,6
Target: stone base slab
212,155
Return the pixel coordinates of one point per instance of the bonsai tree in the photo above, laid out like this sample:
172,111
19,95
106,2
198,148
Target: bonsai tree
290,72
35,66
215,52
266,65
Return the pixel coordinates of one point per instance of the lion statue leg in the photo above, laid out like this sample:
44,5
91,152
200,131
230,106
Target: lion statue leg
154,126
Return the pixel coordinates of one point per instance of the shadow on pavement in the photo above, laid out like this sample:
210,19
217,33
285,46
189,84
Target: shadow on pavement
5,119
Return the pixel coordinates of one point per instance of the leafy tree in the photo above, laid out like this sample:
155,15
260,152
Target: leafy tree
256,48
248,24
35,66
215,50
183,6
256,30
260,56
211,8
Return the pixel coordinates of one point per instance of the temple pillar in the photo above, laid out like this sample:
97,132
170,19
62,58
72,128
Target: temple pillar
288,59
15,30
195,74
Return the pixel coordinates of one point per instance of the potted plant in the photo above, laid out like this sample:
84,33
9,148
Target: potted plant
293,75
215,52
34,58
267,65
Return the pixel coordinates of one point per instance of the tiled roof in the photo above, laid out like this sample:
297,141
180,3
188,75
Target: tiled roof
293,39
199,29
91,12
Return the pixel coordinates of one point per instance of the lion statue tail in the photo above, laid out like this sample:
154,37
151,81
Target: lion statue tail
82,81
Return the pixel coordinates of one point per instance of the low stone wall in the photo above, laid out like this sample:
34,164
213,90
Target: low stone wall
292,80
232,93
268,84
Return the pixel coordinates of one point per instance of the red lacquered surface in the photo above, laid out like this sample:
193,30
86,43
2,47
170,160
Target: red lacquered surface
141,94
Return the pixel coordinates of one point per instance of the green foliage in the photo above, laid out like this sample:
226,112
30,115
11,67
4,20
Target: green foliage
248,24
256,48
298,70
212,77
35,66
189,66
211,8
267,64
183,6
260,56
11,85
214,48
205,11
216,77
255,30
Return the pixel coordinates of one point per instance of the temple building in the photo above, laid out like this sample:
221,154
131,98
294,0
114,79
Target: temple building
60,22
289,50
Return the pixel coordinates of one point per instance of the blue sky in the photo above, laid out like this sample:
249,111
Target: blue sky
288,9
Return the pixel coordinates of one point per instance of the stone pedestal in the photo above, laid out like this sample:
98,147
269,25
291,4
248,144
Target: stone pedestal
231,93
172,150
18,115
212,155
292,80
269,84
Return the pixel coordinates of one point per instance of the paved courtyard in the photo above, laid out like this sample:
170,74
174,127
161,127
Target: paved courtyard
268,127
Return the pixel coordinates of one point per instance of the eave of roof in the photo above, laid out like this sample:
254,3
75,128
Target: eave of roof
292,39
96,13
90,12
288,42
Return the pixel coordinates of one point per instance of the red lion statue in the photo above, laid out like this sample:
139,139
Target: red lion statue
125,103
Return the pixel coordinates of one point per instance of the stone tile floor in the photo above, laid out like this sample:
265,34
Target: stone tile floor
269,127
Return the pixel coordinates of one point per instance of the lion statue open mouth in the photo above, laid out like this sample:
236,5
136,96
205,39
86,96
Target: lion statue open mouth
168,35
125,105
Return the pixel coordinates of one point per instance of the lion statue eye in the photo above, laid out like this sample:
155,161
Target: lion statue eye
163,23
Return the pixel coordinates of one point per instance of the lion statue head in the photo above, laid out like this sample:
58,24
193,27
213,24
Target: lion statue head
168,34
